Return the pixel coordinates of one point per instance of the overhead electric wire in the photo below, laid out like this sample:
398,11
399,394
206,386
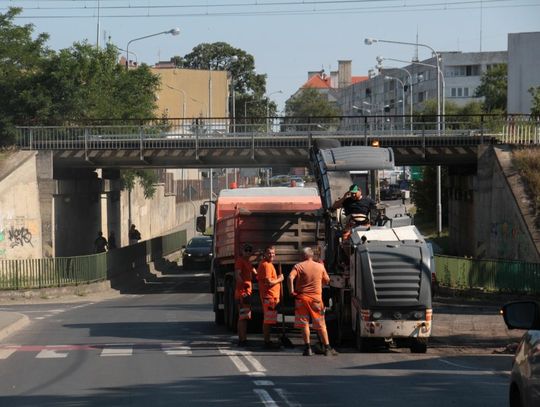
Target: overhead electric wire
445,6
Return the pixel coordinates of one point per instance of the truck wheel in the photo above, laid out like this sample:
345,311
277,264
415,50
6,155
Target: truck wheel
419,345
226,305
230,307
219,316
364,345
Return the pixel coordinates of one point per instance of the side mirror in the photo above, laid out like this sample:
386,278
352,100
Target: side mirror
203,209
200,224
521,315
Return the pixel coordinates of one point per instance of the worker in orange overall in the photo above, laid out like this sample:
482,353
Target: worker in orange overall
244,272
307,290
269,289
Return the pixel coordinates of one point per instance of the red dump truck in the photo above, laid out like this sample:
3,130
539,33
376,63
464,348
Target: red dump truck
286,217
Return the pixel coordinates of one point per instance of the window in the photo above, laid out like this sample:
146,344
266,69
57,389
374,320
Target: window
459,92
463,70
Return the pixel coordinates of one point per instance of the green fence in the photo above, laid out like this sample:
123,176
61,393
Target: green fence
490,275
52,272
65,271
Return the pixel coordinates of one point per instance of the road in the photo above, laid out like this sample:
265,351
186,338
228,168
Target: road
158,346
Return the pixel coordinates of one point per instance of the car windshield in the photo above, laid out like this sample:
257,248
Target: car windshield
200,243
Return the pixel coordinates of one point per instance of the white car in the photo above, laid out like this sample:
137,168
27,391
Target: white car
525,377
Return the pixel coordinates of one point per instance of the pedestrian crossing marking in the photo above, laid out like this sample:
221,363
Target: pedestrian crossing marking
175,350
6,353
51,354
115,351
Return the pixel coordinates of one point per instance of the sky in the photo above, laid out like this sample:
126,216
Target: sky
288,38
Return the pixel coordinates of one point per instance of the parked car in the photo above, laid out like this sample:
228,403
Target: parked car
198,252
391,192
298,181
525,377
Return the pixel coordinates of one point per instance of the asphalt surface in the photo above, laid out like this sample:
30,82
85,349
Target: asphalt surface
158,346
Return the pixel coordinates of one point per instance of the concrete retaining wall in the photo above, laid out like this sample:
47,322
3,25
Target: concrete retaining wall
502,229
20,218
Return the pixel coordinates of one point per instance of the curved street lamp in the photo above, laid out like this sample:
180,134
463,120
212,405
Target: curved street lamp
172,31
370,41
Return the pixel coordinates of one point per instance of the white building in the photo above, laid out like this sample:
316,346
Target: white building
523,70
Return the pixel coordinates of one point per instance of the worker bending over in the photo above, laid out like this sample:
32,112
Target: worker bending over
307,290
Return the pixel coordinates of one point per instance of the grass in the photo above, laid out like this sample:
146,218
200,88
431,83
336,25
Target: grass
428,228
527,162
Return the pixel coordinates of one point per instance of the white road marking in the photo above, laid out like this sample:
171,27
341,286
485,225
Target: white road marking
236,360
51,354
175,350
470,368
256,364
256,374
283,394
263,382
116,352
6,353
265,398
39,318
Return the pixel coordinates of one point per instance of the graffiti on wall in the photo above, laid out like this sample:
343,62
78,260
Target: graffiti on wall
19,237
508,238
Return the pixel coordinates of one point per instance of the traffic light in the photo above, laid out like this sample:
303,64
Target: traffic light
375,143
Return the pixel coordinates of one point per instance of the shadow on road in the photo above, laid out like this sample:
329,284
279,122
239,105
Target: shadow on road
163,276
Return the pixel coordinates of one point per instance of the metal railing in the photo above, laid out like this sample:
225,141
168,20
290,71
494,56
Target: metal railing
160,133
489,275
52,272
69,271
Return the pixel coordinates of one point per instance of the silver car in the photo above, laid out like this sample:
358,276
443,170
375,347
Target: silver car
525,377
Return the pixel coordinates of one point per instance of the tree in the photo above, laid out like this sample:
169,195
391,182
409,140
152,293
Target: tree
466,117
493,88
424,194
83,82
535,108
21,57
309,105
221,56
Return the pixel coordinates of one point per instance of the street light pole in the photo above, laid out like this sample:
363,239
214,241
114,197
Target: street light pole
172,31
440,75
388,77
370,41
411,93
268,109
183,101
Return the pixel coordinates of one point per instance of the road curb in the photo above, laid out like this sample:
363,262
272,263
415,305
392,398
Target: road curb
18,321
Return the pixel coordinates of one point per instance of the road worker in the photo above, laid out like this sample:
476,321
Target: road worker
244,272
269,289
357,208
305,283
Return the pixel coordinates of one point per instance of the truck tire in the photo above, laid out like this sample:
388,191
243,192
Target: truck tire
230,306
364,345
219,316
418,345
